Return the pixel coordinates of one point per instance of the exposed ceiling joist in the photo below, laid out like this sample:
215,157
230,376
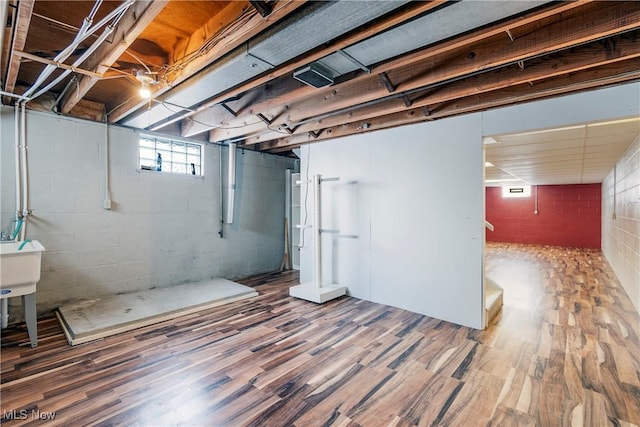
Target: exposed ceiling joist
365,87
254,26
133,23
445,66
202,116
20,31
581,58
615,73
225,70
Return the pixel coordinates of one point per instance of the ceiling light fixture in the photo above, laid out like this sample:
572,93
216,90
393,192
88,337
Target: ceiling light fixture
145,83
145,90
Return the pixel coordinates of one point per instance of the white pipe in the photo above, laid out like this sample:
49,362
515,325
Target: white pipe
60,57
16,132
13,95
4,7
107,31
4,312
615,195
107,190
231,182
25,176
220,191
82,34
317,246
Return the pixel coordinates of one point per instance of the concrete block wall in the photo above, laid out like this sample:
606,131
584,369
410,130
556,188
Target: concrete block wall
621,236
568,215
162,228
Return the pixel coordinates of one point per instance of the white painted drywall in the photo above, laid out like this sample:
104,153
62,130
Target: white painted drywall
621,236
414,197
594,106
417,202
163,228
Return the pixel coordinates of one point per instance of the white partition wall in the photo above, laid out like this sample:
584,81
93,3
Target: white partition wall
413,197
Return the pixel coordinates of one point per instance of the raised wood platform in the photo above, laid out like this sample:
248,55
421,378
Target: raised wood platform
563,351
91,319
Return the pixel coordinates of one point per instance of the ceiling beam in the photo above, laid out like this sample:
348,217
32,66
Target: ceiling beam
20,30
254,26
192,127
367,88
607,75
590,23
36,58
131,25
578,59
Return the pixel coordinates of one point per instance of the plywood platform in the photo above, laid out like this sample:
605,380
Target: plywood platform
88,320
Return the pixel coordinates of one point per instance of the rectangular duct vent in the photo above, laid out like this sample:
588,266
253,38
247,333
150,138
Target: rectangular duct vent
314,75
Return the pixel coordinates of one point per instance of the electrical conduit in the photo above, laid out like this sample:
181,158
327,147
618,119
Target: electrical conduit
231,184
16,135
107,31
23,167
82,34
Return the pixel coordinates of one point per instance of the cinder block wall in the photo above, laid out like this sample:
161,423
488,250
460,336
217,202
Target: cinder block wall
162,229
568,215
621,236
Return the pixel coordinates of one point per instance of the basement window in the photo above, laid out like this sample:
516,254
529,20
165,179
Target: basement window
513,191
169,156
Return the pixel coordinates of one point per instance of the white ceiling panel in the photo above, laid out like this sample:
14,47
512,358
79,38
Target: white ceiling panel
569,155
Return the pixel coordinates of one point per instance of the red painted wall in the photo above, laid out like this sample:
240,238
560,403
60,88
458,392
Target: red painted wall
568,215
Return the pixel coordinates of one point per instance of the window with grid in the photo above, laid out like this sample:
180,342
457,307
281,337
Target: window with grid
169,156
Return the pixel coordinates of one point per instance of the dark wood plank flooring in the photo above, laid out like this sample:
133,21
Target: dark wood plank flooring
563,352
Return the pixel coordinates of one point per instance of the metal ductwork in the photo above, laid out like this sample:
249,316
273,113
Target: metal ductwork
307,28
295,35
441,24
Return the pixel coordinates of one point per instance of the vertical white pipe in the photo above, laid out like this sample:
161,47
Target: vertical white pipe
4,312
25,176
231,182
4,8
317,246
107,190
16,132
220,192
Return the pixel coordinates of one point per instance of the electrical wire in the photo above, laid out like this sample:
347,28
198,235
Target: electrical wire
233,27
140,60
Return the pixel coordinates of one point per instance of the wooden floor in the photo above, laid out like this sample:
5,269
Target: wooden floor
563,352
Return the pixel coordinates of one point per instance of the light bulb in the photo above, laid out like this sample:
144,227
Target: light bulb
145,91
